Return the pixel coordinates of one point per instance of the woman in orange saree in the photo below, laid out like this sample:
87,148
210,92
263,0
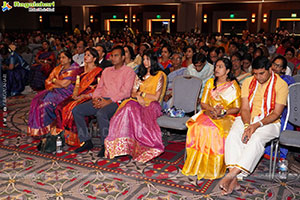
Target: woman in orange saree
85,85
208,129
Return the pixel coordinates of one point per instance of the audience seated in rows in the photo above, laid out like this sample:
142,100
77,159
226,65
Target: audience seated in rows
201,54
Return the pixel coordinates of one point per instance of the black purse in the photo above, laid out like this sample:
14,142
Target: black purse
48,144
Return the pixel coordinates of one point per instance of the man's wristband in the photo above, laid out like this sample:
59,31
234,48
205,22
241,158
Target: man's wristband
261,124
246,125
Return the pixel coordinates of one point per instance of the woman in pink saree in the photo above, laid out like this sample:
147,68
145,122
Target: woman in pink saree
133,129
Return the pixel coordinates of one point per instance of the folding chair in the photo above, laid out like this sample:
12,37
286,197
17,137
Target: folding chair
185,94
297,78
289,137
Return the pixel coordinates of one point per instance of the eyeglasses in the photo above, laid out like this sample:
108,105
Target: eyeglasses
235,60
276,65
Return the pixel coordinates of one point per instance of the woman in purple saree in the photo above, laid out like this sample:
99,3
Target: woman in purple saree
133,129
59,86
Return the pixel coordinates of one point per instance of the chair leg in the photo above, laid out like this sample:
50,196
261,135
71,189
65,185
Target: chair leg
271,159
275,158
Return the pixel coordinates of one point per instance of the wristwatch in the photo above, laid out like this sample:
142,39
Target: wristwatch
223,112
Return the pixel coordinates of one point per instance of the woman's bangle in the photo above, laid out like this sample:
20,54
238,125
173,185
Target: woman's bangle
260,123
143,94
53,80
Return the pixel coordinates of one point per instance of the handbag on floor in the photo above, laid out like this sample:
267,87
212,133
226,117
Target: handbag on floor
48,144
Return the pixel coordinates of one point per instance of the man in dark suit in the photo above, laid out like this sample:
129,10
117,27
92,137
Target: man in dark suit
103,63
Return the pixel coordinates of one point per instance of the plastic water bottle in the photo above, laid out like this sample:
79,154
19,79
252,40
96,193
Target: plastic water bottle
283,169
58,145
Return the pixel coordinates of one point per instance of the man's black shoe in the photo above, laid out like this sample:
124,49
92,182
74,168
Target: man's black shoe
101,152
88,145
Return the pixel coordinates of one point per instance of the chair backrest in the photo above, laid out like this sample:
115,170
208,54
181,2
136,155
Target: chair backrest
186,91
293,114
297,78
28,57
291,66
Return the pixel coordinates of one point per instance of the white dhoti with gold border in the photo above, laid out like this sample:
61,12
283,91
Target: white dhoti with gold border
246,156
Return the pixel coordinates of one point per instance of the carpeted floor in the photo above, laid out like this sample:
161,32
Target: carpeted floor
28,174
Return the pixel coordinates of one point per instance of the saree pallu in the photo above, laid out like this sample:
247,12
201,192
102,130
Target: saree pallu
43,105
65,120
206,137
241,78
40,72
166,64
133,129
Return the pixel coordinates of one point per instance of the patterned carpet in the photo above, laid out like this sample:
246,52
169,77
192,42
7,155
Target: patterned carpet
28,174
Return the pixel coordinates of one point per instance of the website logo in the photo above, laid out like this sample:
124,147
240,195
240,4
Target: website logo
31,6
36,6
6,6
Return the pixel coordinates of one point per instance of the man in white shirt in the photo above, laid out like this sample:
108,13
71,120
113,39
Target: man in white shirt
79,56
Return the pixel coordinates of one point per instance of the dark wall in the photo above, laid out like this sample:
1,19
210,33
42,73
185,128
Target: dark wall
106,12
19,19
55,22
273,10
224,10
279,10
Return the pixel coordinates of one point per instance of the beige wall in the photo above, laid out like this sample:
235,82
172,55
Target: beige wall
77,16
186,17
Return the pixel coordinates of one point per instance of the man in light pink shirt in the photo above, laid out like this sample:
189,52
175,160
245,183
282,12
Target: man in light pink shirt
115,85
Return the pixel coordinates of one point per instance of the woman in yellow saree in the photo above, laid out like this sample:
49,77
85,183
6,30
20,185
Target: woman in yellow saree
133,129
208,129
